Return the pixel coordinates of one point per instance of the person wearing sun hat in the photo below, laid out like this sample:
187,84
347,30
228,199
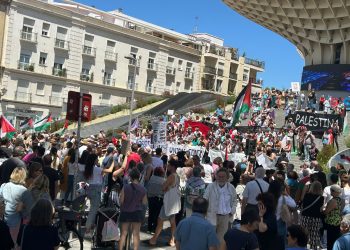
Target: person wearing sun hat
333,215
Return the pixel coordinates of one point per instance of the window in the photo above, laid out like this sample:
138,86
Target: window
131,81
149,85
46,29
180,65
85,74
107,79
24,58
151,64
40,88
61,33
57,69
218,85
110,46
42,59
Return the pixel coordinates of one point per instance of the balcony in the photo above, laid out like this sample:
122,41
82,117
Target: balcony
61,44
129,85
256,63
152,66
87,77
170,70
59,72
220,72
25,66
134,62
23,96
108,81
149,89
210,70
89,51
111,56
233,76
189,75
55,100
29,36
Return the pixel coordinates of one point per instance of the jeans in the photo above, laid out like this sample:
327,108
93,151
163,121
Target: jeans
69,191
307,152
94,195
282,233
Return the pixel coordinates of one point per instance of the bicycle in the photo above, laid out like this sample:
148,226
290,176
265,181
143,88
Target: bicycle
68,221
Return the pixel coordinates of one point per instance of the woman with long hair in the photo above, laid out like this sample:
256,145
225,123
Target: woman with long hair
132,198
11,193
81,166
38,190
35,169
93,176
68,171
278,189
311,216
39,233
171,203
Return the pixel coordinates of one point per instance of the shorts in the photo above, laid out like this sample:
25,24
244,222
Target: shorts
163,216
136,216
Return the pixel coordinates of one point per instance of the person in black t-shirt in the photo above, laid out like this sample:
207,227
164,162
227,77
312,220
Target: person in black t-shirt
39,234
244,237
52,175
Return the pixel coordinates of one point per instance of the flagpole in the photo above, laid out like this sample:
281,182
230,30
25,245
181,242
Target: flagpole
78,142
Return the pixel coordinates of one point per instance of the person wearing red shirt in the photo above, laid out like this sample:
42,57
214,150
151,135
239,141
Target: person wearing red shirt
133,156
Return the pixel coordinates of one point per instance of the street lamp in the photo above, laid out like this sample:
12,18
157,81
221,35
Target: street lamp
135,60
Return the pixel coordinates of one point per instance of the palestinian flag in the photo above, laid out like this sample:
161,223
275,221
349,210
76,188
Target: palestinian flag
27,124
43,124
242,104
6,128
64,128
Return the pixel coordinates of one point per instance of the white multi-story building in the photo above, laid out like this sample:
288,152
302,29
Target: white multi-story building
48,49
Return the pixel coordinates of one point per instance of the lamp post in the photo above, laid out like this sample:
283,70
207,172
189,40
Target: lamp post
135,60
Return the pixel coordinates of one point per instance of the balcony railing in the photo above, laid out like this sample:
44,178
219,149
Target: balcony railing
129,85
56,100
89,51
26,66
29,36
220,72
233,76
152,66
170,70
111,56
23,96
108,81
134,62
210,70
149,89
59,72
256,63
87,77
189,75
219,51
61,44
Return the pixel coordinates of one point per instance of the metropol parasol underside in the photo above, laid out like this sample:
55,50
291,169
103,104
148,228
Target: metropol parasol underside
320,29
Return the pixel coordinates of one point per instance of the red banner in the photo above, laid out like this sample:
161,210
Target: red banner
73,107
203,128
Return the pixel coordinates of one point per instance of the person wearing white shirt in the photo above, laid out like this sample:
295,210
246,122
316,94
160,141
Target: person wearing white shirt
156,161
222,199
333,179
208,171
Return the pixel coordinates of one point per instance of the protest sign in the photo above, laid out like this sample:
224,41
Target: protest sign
193,150
159,132
314,121
144,142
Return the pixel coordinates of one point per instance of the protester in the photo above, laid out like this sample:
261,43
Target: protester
343,242
222,198
297,238
132,198
194,188
171,203
195,232
244,237
39,233
11,193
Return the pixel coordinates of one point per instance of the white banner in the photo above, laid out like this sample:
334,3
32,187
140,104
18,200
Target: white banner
295,86
159,132
144,142
193,150
235,157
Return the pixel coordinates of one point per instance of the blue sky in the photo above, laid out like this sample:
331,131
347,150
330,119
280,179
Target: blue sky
283,63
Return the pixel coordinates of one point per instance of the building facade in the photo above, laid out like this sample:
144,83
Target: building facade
49,49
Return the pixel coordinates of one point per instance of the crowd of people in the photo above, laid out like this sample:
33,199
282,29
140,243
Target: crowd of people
259,200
